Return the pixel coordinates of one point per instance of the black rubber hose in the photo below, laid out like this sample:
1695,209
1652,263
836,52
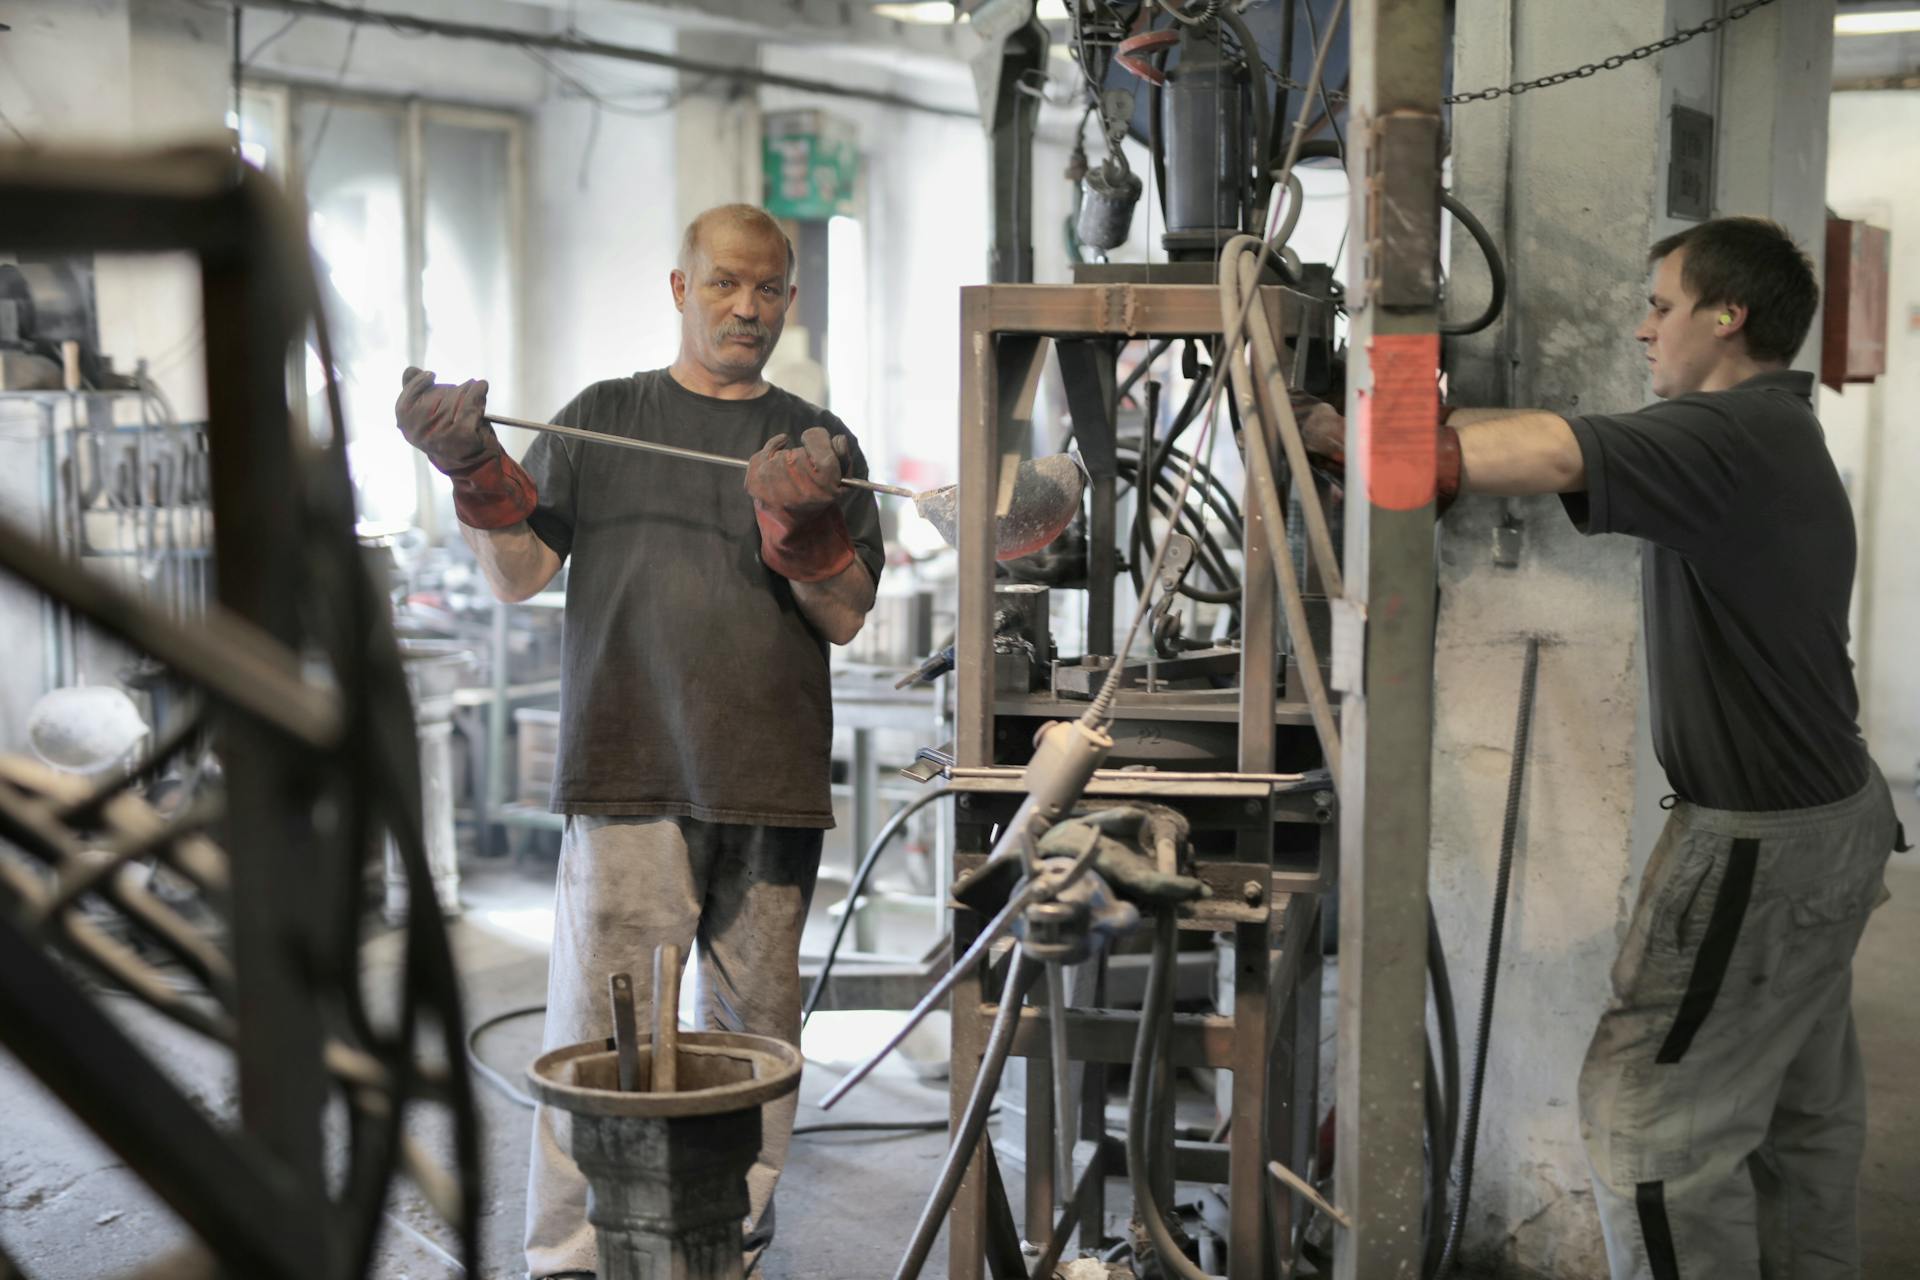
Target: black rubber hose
1496,269
1212,558
1156,1018
1469,1129
973,1121
855,888
1165,492
1447,1024
1154,352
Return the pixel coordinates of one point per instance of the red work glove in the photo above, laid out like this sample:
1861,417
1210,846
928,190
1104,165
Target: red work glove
1324,433
803,536
490,490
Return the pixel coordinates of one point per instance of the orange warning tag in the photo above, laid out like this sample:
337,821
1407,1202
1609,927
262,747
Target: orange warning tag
1397,420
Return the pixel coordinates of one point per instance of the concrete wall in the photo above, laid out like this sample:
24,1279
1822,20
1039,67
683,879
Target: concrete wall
1871,175
1573,182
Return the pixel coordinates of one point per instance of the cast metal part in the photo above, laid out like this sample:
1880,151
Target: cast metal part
1108,196
667,1169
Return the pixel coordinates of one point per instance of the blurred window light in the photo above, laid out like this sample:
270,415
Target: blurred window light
1876,22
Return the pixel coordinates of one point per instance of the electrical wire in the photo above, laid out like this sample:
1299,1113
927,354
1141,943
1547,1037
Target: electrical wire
339,78
857,886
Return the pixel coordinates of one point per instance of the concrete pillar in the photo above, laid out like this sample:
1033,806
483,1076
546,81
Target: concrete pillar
716,128
1572,181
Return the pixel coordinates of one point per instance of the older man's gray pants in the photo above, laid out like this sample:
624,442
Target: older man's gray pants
1722,1100
625,886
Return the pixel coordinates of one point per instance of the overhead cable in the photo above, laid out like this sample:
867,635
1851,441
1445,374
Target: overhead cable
414,24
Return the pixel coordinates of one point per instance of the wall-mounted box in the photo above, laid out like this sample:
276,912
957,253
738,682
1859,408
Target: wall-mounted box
1853,335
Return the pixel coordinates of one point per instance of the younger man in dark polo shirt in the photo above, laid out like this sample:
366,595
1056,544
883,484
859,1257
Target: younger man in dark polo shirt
1722,1101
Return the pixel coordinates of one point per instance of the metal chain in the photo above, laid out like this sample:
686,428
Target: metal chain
1613,63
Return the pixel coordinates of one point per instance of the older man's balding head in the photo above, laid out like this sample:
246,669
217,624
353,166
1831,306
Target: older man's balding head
740,218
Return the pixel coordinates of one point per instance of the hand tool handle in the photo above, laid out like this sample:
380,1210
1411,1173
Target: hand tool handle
692,455
620,992
666,1018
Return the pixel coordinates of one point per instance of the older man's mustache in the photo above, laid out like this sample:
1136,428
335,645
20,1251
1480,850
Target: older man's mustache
745,329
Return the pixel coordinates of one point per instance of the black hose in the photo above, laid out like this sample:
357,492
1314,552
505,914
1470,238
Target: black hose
1469,1131
1156,1019
1496,269
1213,558
1447,1025
855,888
1154,352
1021,973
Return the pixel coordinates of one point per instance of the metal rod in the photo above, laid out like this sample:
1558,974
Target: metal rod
1021,972
1035,890
620,991
1063,1112
1311,1192
961,969
676,451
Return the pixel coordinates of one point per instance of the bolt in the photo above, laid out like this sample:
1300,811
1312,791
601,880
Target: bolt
1252,892
1324,799
965,802
1253,808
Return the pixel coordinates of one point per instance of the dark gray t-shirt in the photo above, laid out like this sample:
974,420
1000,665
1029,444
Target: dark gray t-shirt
1745,583
691,685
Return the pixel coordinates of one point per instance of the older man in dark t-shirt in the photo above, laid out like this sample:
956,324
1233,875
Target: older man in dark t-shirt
695,718
1722,1101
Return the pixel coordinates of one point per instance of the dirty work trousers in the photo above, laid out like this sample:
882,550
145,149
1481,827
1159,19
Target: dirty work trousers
624,887
1722,1101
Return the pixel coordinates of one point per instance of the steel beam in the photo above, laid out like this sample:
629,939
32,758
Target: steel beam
1384,645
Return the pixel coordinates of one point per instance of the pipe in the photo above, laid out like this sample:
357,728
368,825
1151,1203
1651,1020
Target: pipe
1470,1129
1266,491
1021,973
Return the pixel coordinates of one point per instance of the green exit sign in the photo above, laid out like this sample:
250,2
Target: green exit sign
812,163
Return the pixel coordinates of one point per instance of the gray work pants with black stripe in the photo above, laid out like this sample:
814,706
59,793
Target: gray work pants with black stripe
1722,1101
624,887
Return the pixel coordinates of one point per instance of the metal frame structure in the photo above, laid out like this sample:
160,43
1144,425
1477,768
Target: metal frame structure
1383,629
1268,908
291,592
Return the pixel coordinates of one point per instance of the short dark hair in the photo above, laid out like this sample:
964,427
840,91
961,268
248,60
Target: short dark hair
1751,263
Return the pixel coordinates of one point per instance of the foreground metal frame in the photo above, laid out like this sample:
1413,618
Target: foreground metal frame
313,773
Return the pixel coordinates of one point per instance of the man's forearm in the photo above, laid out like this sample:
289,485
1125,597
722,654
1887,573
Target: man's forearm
837,606
514,561
1516,452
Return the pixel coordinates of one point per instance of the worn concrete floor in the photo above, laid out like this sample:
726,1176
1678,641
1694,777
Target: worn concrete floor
70,1211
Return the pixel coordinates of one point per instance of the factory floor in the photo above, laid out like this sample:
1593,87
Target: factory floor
70,1211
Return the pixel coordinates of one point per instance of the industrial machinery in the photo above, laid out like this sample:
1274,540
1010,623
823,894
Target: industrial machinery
1197,788
234,905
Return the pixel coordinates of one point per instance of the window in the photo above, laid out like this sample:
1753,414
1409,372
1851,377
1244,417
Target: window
414,212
